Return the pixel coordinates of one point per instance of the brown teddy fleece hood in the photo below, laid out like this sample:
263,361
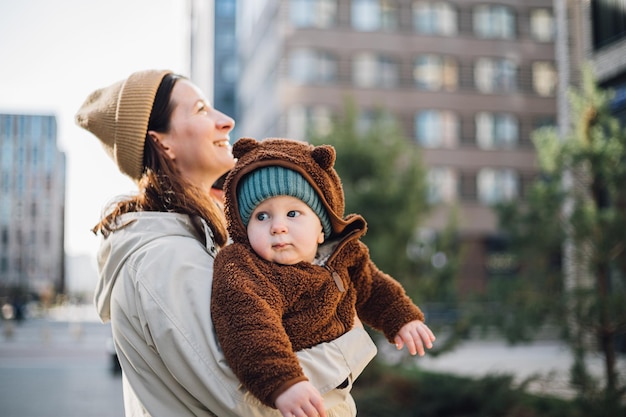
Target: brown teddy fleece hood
314,163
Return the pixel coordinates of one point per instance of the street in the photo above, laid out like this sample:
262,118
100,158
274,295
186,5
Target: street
60,366
57,368
545,362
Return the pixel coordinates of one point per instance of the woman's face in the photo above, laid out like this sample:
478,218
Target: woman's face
198,140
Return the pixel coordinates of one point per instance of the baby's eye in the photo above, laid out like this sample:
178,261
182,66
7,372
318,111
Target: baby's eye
293,213
261,216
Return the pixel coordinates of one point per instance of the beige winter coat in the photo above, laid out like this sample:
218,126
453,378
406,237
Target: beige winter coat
155,287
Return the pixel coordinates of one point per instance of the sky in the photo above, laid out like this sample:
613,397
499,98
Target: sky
54,53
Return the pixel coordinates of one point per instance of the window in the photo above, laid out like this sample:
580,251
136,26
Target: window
609,17
4,127
310,66
313,13
467,186
436,129
497,185
34,154
441,185
7,150
434,73
544,121
368,118
225,8
229,70
373,15
542,25
370,70
544,78
496,130
227,42
495,75
389,15
303,121
436,18
364,70
5,211
494,22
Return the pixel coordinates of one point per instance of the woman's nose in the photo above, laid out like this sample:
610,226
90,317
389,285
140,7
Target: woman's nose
225,122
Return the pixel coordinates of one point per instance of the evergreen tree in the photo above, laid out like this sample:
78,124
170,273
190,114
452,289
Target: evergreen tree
579,201
384,180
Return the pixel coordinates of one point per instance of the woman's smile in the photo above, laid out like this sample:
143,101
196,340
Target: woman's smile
223,143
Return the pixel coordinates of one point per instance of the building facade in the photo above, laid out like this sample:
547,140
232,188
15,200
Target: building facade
32,206
468,81
226,69
213,52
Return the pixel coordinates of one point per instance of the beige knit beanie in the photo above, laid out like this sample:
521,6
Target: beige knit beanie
118,115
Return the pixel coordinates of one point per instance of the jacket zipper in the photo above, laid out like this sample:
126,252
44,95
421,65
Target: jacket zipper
333,273
336,278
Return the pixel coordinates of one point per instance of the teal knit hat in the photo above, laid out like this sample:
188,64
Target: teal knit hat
273,181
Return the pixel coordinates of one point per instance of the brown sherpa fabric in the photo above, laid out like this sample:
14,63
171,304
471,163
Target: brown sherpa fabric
264,312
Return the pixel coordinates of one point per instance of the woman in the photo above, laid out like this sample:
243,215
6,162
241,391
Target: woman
156,258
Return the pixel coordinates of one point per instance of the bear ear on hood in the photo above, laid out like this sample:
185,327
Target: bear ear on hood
324,155
243,146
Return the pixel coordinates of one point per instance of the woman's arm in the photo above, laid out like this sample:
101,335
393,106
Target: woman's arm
177,315
318,360
327,365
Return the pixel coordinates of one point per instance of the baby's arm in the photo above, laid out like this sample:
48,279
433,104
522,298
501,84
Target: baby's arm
415,335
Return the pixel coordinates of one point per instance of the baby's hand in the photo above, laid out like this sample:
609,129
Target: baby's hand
301,399
415,335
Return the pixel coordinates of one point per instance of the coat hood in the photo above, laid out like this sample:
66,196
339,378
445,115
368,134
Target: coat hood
314,163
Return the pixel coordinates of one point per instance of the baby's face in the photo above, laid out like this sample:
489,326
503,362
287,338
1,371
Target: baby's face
285,230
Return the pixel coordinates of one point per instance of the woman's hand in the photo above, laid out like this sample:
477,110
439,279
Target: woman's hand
301,400
415,335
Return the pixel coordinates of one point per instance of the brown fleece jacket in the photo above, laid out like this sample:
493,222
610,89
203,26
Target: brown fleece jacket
264,312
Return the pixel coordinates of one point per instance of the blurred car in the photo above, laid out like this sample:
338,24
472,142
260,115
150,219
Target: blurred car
114,365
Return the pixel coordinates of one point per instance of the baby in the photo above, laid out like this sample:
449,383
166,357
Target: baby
297,274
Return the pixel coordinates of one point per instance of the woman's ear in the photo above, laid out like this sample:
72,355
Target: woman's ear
161,140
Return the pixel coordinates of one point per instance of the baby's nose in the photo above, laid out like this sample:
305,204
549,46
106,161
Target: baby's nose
278,227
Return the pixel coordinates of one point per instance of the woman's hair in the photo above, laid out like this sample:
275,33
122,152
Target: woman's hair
162,187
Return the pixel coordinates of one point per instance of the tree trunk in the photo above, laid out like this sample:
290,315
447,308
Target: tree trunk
606,329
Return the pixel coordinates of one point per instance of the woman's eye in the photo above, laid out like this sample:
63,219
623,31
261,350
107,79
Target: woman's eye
202,108
261,216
